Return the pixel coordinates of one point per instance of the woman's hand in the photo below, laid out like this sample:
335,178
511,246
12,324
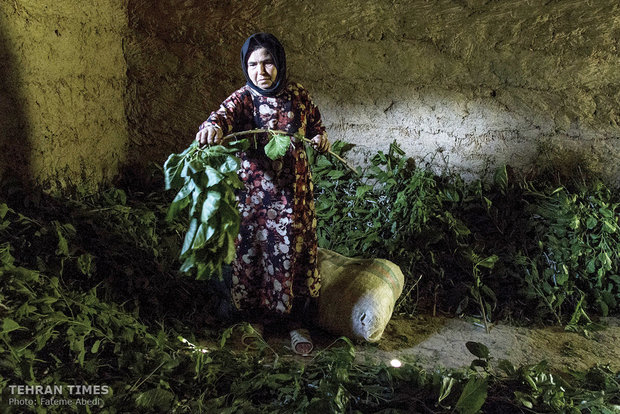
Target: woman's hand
320,143
209,135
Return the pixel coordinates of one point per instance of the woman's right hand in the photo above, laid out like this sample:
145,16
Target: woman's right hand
209,135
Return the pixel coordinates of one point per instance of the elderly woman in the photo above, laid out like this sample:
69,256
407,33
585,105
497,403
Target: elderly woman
275,271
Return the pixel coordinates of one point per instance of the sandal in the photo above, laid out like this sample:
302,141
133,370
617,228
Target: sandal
252,335
299,337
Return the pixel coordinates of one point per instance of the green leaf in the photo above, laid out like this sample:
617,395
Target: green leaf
201,237
501,178
189,236
210,205
188,264
446,388
63,245
3,210
226,335
606,212
489,293
196,166
209,232
479,363
214,176
452,195
230,165
477,349
277,146
362,190
605,260
591,223
609,226
473,396
9,325
487,202
561,279
233,181
181,200
172,171
85,264
196,200
336,174
489,262
95,347
5,254
155,398
524,399
231,250
507,367
229,218
206,269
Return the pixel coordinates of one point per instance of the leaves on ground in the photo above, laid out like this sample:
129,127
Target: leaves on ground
90,292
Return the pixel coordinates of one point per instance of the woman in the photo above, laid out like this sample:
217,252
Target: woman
275,270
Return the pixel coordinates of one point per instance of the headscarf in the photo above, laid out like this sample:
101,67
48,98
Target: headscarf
274,47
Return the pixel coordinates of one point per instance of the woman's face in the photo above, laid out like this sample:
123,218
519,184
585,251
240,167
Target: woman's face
262,69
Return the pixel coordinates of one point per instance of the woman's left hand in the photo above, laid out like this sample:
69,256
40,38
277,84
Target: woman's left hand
320,143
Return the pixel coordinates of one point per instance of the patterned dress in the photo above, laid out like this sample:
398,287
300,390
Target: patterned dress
277,246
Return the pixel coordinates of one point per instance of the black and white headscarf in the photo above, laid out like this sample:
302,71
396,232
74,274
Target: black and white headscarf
275,48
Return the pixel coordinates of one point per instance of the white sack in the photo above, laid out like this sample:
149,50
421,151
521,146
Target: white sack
357,296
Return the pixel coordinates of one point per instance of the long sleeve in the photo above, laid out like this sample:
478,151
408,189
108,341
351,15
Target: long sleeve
314,124
234,114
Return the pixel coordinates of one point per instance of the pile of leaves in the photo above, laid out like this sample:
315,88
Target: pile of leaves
66,321
91,293
511,248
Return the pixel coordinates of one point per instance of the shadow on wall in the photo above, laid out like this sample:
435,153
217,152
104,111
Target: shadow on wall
180,69
14,141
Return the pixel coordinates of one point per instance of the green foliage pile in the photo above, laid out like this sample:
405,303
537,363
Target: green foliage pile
578,236
75,274
91,293
335,381
514,248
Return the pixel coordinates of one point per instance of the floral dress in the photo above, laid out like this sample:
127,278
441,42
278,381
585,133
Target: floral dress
276,257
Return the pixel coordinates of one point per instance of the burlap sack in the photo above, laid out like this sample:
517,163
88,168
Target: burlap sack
357,296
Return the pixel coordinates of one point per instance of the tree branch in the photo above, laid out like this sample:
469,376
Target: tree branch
298,136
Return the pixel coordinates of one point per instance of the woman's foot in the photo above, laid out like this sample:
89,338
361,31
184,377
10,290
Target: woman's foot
301,341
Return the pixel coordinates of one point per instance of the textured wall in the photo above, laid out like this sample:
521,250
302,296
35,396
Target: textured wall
480,82
469,84
62,86
182,59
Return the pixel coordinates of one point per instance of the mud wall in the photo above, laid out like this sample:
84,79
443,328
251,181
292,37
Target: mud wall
62,90
471,84
87,87
182,58
463,84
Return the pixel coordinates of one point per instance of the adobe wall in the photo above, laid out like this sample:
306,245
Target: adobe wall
62,91
466,85
88,87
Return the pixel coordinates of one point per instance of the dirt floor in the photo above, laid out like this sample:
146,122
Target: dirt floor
437,341
433,341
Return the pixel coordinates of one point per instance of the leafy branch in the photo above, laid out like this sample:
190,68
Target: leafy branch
206,180
276,135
